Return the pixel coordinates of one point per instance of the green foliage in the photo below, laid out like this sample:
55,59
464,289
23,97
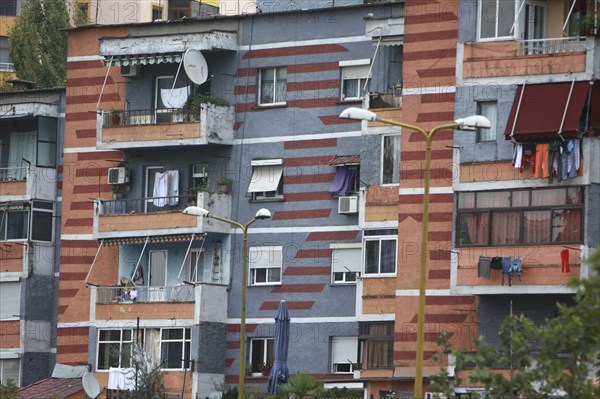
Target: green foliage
224,181
80,16
341,393
8,391
205,98
38,42
150,377
302,386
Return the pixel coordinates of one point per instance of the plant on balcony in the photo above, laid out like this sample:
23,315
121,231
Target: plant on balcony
195,102
224,183
192,192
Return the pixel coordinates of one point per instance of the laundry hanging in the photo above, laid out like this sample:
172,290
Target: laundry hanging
175,98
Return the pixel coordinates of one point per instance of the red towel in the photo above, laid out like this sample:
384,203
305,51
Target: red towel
564,257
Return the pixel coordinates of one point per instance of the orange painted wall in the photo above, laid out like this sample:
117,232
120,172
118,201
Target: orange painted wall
10,334
11,257
13,188
164,220
171,131
146,311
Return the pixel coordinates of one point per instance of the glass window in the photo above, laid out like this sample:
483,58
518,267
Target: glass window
505,228
175,344
345,263
473,228
261,355
376,344
46,142
41,226
489,110
496,18
380,255
272,86
266,183
354,80
10,370
17,223
390,159
114,349
344,353
265,265
495,199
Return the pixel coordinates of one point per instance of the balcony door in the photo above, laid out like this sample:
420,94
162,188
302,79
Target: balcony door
158,269
162,113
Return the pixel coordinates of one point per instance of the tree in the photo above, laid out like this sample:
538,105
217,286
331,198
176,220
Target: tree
38,42
8,391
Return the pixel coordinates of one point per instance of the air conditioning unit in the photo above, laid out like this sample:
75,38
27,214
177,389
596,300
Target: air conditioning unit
348,204
118,175
129,70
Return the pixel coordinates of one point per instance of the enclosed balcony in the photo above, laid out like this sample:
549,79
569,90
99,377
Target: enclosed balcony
27,182
158,216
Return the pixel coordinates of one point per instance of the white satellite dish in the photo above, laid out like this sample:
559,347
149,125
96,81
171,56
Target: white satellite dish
91,387
195,66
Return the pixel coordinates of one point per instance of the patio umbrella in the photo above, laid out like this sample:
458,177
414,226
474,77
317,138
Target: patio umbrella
279,372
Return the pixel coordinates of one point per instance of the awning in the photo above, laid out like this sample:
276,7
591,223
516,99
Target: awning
151,239
546,111
265,178
143,59
345,160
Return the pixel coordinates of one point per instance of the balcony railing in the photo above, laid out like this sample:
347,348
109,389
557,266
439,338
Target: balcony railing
551,46
144,205
13,174
385,100
149,117
144,294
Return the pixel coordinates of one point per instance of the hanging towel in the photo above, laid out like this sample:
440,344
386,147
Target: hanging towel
483,267
577,153
564,261
173,187
121,378
518,155
175,98
342,181
161,188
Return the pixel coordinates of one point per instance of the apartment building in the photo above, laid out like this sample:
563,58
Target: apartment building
31,125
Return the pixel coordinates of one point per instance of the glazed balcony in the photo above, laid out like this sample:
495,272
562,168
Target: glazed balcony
159,216
25,183
542,271
119,129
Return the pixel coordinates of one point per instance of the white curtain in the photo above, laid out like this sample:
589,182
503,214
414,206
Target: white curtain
22,146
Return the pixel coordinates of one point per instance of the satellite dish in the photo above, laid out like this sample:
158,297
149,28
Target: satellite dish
195,66
91,387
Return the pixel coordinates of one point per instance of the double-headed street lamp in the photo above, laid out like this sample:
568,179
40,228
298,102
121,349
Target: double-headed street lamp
469,123
260,215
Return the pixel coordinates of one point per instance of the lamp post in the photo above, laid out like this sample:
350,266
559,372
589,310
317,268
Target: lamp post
260,215
468,123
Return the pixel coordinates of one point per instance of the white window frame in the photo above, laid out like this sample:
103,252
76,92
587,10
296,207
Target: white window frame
184,340
10,300
259,87
4,224
200,258
492,132
347,272
121,342
397,158
3,377
356,68
272,169
379,238
272,264
150,254
496,37
265,355
348,346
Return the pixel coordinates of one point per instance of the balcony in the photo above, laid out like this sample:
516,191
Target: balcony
541,271
25,183
181,301
154,216
552,46
165,127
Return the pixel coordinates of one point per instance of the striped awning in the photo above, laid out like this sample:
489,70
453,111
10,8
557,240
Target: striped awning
143,59
151,239
345,160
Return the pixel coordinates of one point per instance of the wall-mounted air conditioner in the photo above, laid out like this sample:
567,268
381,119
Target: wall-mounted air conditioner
118,175
129,70
348,204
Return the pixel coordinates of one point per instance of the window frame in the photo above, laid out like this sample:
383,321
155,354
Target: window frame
266,343
496,22
373,236
272,195
156,8
364,339
333,364
397,136
32,213
259,87
274,249
361,81
492,131
521,209
340,247
121,342
3,378
186,346
200,256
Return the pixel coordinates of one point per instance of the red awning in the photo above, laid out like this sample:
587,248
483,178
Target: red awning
543,109
345,160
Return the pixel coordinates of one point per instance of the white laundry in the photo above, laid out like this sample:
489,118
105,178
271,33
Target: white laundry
173,187
175,98
121,378
161,189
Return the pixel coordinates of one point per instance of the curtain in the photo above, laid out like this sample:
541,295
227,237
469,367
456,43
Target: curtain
536,227
566,225
473,228
22,147
342,182
388,256
505,227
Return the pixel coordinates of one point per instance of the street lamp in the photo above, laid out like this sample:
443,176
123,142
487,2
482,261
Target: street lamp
469,123
260,215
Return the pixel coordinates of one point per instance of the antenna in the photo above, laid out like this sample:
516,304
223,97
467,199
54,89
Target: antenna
195,66
91,387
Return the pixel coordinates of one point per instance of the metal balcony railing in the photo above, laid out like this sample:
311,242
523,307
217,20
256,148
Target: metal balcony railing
551,46
144,294
13,173
149,117
144,205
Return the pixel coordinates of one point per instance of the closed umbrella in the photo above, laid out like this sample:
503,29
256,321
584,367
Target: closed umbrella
279,372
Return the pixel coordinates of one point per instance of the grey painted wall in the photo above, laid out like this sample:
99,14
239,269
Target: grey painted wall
35,367
211,348
467,21
39,289
592,217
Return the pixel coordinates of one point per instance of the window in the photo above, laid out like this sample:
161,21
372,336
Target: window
10,370
261,354
272,86
157,12
10,300
354,78
345,263
163,111
41,221
344,352
46,142
496,18
194,270
14,223
199,175
8,7
380,252
175,344
390,159
489,110
266,183
114,348
542,216
376,344
158,268
265,265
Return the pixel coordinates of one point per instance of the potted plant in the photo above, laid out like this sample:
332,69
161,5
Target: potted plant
193,192
224,184
115,117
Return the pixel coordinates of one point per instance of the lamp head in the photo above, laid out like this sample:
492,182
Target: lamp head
360,114
196,211
473,122
262,214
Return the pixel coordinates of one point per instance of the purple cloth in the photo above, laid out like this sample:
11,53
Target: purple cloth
342,182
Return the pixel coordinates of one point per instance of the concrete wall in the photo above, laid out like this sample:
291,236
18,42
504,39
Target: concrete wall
467,20
592,216
211,348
